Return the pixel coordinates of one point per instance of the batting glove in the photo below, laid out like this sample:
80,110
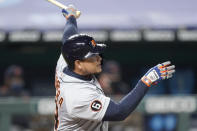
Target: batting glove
157,73
71,11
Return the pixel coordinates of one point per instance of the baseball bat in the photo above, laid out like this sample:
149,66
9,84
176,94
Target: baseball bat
58,4
62,6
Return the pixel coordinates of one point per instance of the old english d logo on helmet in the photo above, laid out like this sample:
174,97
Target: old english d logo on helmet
93,43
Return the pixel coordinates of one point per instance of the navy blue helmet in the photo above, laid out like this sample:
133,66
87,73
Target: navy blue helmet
81,46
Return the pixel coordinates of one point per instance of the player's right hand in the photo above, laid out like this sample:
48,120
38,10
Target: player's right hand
158,72
71,11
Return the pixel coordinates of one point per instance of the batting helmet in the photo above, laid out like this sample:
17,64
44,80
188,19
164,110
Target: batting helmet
81,46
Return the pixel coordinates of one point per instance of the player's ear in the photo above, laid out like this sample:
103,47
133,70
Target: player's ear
78,64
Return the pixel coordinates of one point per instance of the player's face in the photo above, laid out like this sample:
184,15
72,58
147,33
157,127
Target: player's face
91,65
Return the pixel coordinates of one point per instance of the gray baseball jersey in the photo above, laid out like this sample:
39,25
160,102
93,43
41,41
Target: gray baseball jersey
80,104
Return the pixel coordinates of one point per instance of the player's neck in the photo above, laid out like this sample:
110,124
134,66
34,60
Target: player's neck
79,72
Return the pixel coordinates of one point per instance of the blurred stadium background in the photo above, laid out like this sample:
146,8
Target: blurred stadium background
139,35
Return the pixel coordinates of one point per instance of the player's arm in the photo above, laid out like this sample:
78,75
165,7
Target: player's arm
71,25
70,29
119,111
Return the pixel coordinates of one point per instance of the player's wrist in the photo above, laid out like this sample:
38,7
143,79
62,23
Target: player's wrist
146,81
71,11
151,76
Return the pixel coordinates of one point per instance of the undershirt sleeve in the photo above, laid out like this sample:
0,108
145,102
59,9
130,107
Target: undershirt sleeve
119,111
70,28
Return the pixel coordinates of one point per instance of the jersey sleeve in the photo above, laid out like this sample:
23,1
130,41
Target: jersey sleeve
89,104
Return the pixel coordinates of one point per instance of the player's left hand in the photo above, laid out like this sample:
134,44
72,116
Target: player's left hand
71,11
159,72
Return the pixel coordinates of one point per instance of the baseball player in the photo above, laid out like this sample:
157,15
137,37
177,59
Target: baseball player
81,104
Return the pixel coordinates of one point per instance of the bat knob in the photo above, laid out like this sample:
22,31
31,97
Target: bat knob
78,13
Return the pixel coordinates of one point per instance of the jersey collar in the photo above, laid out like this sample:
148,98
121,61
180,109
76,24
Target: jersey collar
73,74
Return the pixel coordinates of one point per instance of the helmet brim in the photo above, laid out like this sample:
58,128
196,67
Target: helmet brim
98,49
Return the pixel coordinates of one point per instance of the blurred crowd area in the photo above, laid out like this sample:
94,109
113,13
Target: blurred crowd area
15,81
114,79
